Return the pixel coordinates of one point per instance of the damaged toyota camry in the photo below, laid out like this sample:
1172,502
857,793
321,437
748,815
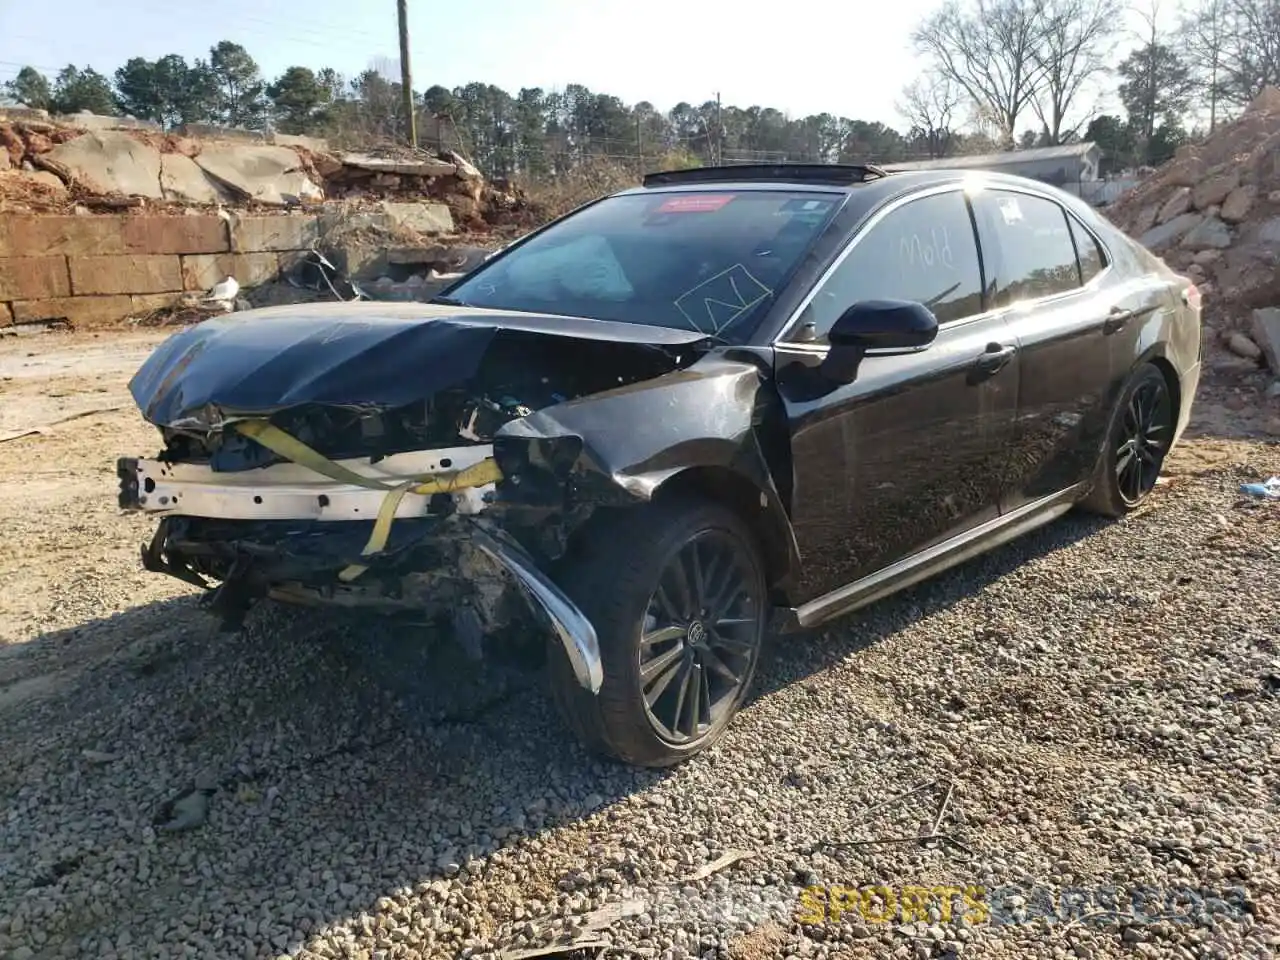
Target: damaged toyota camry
726,404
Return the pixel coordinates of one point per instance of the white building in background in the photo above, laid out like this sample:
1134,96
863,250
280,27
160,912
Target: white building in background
1074,167
1057,165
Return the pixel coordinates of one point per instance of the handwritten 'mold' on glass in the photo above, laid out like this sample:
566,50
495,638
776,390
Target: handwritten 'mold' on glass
926,249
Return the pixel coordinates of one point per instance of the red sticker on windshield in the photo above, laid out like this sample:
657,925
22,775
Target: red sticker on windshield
703,203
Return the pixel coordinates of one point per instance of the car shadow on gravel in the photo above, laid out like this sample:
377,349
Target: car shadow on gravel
321,763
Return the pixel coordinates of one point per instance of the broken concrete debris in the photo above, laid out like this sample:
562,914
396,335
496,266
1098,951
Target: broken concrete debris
286,172
271,175
1213,213
361,165
109,162
182,180
62,257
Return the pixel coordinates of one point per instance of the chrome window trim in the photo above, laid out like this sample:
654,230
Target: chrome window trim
971,184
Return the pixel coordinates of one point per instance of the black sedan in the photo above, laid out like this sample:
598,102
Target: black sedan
727,402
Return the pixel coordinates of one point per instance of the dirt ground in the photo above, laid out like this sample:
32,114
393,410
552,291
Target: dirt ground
113,693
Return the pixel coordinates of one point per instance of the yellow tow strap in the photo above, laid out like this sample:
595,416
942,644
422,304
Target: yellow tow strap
294,450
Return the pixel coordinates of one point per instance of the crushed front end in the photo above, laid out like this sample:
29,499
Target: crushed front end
338,462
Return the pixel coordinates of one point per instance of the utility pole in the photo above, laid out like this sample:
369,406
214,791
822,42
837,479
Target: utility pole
406,74
719,133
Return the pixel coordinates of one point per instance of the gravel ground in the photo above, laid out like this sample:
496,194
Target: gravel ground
1092,707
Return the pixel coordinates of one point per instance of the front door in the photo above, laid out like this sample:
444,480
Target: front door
906,455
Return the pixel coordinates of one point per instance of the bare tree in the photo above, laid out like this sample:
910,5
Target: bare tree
1149,74
929,104
1076,43
1251,48
1204,36
989,48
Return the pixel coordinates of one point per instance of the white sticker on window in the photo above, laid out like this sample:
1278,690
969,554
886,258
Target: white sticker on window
1010,210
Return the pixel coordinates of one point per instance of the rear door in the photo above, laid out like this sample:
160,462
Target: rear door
1047,276
904,456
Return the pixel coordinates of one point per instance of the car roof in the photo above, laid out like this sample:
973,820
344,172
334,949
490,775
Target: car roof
869,191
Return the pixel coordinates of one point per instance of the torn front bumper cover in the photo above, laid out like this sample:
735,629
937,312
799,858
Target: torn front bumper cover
291,491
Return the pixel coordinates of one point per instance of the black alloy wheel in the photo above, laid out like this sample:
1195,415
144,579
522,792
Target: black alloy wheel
1139,437
676,591
1145,437
701,637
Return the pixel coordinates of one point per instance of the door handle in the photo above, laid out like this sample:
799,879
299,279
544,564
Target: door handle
995,357
1116,320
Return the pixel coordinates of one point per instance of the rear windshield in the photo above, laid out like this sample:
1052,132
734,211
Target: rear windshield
709,261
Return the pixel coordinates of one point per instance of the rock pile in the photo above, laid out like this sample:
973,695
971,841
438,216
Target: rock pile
23,184
47,167
1213,213
448,177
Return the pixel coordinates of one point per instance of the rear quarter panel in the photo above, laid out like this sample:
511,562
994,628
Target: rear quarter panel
1171,335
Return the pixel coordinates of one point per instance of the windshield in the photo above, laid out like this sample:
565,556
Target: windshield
709,261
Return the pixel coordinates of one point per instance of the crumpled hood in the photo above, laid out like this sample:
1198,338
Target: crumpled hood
357,355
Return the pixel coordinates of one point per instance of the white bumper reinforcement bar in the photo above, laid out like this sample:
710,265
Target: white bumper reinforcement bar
290,491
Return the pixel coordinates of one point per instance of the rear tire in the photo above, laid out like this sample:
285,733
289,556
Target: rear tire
676,592
1139,437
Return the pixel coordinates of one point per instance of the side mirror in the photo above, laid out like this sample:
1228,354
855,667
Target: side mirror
885,326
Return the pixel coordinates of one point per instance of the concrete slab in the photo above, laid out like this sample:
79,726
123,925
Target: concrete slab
262,173
421,167
34,235
200,273
182,179
181,234
96,121
315,144
291,232
34,278
118,275
110,162
420,217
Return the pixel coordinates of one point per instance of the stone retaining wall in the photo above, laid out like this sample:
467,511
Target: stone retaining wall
100,269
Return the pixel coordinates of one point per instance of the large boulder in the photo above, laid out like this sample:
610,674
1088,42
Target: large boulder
109,162
1170,232
1211,232
181,179
267,174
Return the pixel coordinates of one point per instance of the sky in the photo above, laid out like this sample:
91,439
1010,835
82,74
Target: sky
801,56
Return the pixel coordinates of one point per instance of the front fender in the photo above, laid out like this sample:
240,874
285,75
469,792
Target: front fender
623,446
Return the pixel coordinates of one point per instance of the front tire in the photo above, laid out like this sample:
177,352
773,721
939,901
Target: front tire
1139,437
677,594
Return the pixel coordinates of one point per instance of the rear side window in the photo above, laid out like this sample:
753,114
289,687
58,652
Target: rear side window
922,251
1027,244
1092,259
